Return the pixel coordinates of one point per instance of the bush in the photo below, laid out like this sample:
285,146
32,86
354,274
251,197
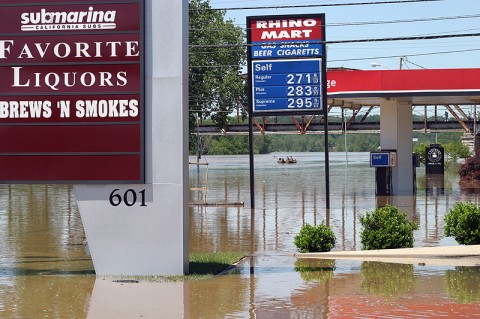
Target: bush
315,239
470,169
462,222
386,228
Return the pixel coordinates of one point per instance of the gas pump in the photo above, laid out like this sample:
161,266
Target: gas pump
383,161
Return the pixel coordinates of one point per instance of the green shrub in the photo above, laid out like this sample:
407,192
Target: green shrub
386,228
463,223
315,239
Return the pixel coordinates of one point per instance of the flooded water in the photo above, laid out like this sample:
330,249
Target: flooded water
45,273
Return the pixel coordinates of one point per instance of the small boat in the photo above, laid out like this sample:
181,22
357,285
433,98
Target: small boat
287,160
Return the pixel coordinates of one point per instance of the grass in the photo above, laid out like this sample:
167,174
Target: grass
213,263
201,266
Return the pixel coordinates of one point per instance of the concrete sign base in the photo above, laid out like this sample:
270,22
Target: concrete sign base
134,240
143,229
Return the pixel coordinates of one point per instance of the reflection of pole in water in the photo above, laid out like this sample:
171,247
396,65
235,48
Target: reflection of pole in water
198,146
354,218
303,208
239,211
436,216
252,239
276,218
343,219
315,206
264,218
252,308
327,217
225,189
426,218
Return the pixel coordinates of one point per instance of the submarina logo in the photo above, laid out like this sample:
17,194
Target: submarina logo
90,19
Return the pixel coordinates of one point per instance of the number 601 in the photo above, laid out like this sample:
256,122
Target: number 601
129,198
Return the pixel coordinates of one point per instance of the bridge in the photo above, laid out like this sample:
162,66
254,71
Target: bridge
457,121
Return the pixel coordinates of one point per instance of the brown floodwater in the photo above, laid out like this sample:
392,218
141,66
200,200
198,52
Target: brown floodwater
45,272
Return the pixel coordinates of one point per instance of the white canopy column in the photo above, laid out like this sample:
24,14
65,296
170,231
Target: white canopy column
396,134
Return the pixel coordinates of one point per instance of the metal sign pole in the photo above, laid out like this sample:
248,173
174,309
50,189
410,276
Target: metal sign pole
252,168
325,115
327,160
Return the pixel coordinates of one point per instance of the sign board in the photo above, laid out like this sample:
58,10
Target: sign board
286,64
286,85
383,159
71,92
434,159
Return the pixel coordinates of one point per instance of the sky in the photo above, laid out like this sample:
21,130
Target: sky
443,17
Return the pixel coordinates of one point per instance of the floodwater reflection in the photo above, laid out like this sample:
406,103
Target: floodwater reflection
463,284
45,272
386,279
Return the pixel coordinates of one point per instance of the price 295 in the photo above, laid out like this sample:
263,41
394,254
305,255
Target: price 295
129,198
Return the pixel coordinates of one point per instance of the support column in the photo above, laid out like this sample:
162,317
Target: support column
396,133
143,229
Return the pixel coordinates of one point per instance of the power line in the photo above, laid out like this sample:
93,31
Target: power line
402,21
317,5
364,23
424,37
410,38
405,55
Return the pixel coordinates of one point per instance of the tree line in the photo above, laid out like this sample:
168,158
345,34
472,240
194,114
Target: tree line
351,142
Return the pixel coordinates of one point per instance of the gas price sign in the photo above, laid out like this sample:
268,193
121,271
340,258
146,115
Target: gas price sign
286,64
282,85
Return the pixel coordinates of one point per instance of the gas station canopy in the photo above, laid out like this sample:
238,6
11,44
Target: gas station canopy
356,88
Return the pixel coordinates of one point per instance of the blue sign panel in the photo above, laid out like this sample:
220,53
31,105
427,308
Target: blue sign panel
379,159
288,50
286,85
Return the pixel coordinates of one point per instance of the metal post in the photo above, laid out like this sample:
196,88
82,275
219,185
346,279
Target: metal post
252,169
475,129
344,112
327,162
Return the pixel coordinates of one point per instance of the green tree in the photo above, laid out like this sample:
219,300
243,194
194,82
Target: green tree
216,55
261,144
228,145
455,151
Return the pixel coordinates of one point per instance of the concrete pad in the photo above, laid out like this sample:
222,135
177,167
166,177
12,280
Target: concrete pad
440,256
